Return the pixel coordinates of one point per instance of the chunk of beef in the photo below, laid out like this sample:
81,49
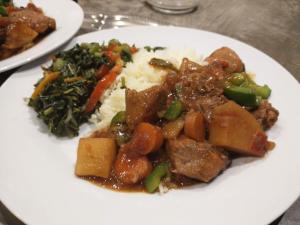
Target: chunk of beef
33,7
188,67
266,114
144,105
206,104
196,160
4,22
229,58
131,169
208,82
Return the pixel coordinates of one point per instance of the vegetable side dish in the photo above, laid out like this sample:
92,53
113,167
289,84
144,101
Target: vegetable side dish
21,28
71,87
186,129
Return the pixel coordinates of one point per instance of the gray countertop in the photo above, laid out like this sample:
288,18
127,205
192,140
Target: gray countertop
270,26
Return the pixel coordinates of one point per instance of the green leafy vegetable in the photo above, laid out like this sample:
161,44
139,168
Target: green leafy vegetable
114,42
3,11
58,64
61,104
5,2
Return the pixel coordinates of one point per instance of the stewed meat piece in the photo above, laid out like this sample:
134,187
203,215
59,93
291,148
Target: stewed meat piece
143,106
266,114
230,60
188,67
34,18
205,84
131,169
19,35
206,104
21,28
196,160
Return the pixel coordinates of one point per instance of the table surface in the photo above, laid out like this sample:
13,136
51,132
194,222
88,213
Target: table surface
270,26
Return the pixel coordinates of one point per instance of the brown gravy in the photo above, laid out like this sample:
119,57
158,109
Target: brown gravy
174,181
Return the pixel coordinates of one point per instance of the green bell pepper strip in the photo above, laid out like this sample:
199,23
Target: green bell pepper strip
237,79
174,110
262,91
120,117
163,64
123,82
153,180
241,88
242,95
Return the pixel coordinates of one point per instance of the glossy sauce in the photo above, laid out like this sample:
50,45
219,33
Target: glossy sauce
175,181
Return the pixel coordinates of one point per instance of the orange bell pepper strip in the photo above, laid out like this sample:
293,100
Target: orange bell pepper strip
73,79
48,78
102,85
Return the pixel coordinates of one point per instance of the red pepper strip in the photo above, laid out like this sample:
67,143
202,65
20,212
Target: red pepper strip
102,71
102,85
133,49
112,55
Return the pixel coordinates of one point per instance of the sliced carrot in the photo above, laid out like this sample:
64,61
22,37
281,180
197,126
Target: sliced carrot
48,78
194,126
146,138
102,85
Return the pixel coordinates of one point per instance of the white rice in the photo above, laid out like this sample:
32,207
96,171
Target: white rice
139,75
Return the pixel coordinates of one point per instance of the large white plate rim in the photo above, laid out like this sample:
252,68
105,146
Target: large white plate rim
91,194
64,32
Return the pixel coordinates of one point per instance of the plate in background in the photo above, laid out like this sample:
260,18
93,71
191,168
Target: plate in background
68,16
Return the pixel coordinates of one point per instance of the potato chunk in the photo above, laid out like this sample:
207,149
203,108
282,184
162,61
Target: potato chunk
95,157
235,129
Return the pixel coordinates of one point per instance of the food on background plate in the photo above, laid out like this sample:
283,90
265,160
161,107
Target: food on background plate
165,118
22,27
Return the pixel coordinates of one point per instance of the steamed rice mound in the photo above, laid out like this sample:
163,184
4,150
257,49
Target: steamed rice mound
138,75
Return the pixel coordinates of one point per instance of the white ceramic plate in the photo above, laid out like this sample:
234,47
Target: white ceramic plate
68,16
37,181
